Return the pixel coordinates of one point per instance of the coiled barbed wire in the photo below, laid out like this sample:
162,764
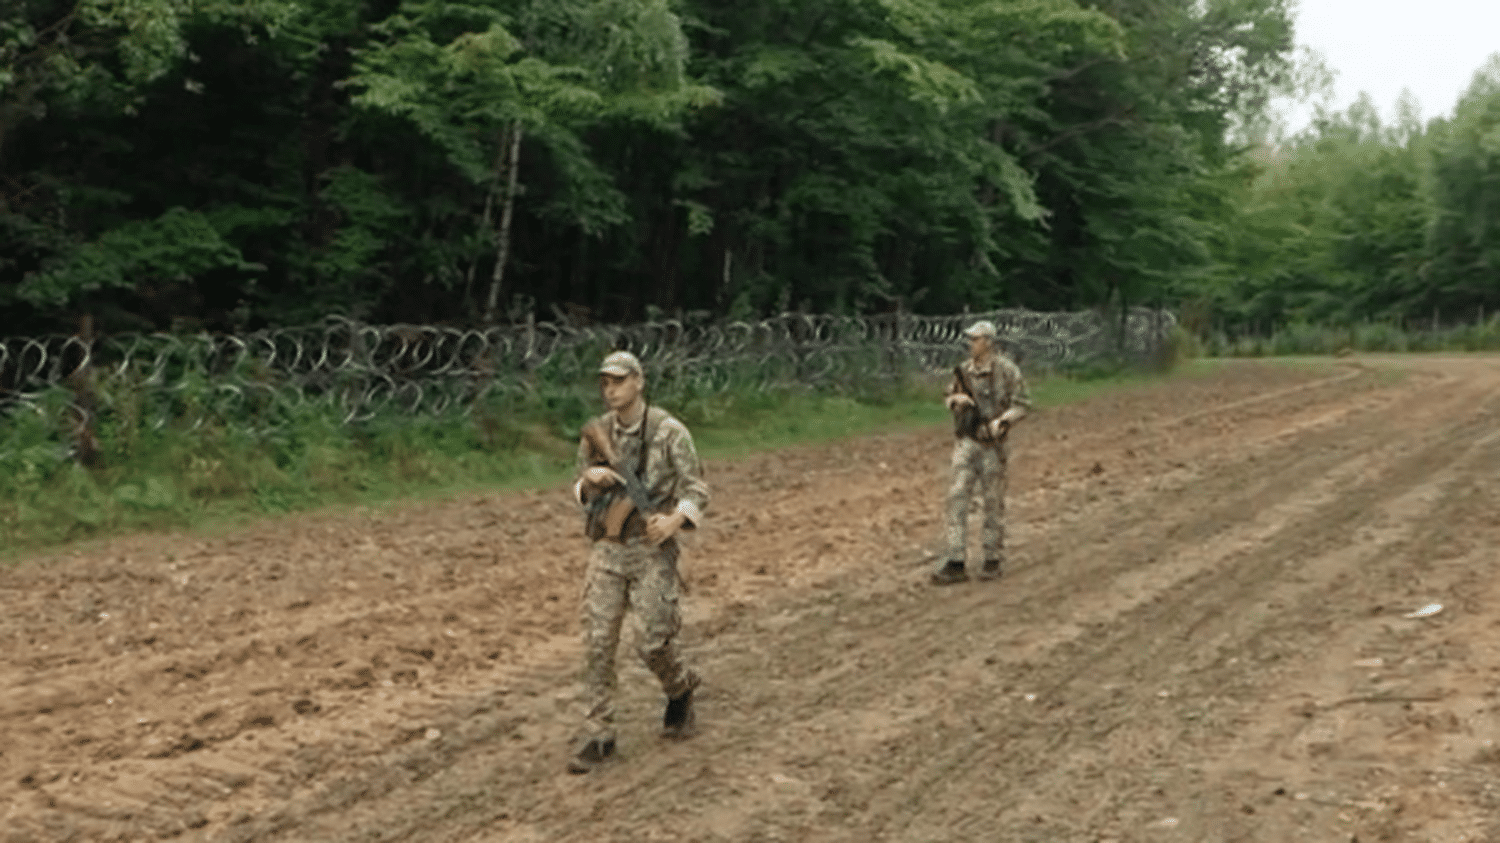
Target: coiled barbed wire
367,370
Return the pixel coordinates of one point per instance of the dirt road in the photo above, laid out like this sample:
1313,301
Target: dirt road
1203,635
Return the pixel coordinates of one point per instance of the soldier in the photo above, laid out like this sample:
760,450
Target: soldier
640,482
988,395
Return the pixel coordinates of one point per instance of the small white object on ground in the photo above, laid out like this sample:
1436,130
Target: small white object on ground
1426,611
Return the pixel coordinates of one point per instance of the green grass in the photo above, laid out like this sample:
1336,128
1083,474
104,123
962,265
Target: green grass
736,425
1303,339
270,460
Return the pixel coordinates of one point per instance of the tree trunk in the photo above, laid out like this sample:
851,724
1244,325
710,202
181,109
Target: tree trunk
502,251
484,220
667,260
728,274
578,276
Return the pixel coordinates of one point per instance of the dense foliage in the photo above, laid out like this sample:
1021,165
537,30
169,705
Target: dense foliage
238,163
231,164
1355,222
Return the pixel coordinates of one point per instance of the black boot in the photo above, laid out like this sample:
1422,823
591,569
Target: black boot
952,572
591,754
678,720
990,570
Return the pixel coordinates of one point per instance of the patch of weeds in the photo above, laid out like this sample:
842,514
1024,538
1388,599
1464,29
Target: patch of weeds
199,457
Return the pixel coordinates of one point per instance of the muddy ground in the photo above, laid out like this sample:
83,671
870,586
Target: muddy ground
1202,635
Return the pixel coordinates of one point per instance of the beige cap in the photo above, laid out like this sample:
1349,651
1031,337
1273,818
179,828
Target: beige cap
982,328
620,363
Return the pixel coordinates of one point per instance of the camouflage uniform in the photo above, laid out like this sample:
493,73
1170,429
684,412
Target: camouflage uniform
635,575
997,386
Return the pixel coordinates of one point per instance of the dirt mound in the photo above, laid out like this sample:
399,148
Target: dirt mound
1203,634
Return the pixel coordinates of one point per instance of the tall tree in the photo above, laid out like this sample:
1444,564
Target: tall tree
1464,238
476,90
271,162
75,77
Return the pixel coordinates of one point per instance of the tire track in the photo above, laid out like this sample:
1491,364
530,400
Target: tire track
1174,639
915,624
830,680
856,710
1333,484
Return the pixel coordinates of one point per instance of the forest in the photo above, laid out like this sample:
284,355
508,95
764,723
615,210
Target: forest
231,165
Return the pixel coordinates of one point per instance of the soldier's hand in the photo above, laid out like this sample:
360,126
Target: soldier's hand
999,427
660,527
602,476
958,399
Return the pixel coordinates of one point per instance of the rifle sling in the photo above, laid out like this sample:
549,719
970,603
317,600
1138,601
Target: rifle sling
634,487
979,421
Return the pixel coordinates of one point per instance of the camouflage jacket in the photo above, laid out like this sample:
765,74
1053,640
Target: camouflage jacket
673,475
997,384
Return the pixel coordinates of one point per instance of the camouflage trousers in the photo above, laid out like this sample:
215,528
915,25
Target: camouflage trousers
623,577
976,464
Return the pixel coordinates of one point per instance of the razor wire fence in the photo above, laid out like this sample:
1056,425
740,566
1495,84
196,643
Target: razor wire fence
363,370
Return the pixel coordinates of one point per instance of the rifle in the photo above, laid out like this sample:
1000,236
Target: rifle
608,513
966,420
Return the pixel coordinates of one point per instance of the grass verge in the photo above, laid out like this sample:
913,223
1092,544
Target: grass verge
216,472
1303,339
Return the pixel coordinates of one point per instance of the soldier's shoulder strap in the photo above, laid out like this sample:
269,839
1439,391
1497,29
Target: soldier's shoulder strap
650,426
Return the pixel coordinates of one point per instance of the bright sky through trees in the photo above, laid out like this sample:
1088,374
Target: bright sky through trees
1432,47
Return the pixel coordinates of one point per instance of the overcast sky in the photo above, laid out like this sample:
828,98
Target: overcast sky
1432,47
